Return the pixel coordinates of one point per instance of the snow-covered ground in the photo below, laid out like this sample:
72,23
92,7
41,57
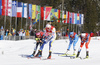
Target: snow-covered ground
12,52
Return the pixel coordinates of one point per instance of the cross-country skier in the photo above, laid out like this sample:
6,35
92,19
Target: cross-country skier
73,38
85,38
38,38
50,38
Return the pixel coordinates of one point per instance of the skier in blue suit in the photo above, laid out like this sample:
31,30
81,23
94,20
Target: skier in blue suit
73,38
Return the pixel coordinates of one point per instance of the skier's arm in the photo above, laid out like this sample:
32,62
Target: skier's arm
87,38
75,39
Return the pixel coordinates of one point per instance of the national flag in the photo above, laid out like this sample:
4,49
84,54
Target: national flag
52,14
64,16
19,9
59,15
68,17
56,13
0,7
73,18
7,7
82,19
33,11
14,8
37,13
47,11
42,13
30,11
78,18
24,10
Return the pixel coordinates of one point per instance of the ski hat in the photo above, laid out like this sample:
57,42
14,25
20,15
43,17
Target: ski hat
71,33
48,26
83,34
38,33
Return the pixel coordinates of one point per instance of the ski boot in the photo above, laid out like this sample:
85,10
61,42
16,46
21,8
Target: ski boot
39,54
33,54
49,56
87,54
78,54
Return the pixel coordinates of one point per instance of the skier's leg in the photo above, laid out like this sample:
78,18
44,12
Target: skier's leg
50,47
87,51
74,44
40,50
35,49
78,53
69,46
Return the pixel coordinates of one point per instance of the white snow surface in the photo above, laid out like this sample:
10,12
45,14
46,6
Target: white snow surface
12,52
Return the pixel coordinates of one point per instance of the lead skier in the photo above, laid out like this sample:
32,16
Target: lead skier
51,31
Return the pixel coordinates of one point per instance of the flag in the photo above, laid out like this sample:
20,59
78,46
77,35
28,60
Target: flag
78,18
42,13
30,11
52,14
14,8
24,10
82,18
0,7
47,11
73,18
4,6
70,17
33,11
37,13
63,16
66,16
56,13
7,7
59,15
19,9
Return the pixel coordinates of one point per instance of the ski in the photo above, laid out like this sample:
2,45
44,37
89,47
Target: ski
47,59
33,57
84,58
65,54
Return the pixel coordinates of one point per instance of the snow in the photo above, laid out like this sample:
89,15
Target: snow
12,52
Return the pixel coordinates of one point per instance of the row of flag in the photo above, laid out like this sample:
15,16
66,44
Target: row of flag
36,12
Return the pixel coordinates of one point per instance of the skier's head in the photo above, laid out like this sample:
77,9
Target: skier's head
48,26
83,35
38,34
71,34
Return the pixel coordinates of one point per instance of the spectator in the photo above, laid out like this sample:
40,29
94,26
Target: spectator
91,34
20,34
2,34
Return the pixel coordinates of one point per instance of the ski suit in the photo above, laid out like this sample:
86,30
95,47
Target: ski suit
38,40
86,40
50,38
73,39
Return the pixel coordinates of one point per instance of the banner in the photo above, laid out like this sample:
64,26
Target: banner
24,10
0,7
33,11
47,11
14,8
30,11
19,9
